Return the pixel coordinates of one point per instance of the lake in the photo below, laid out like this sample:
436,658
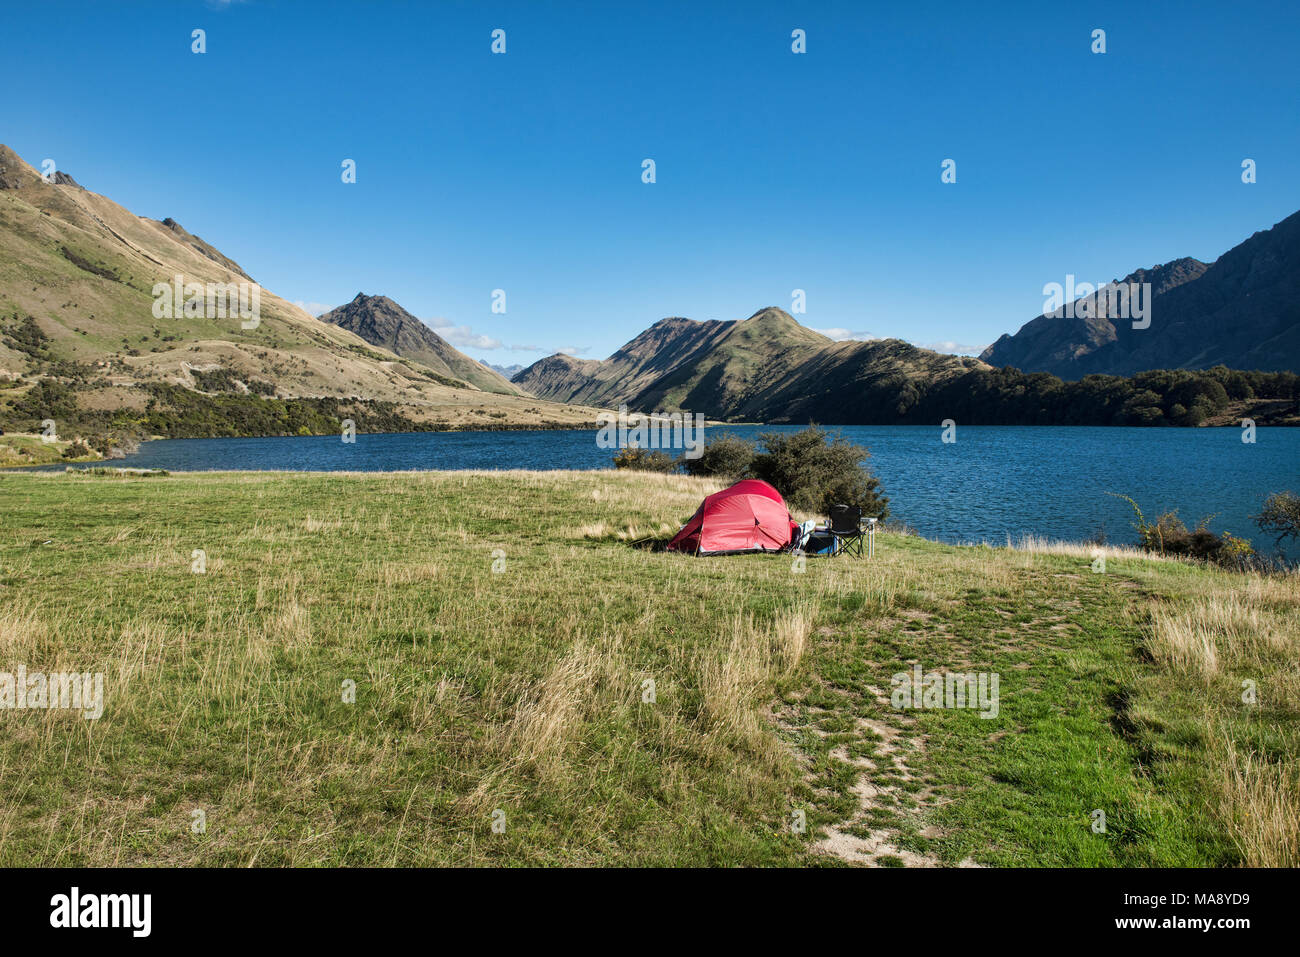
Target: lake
993,482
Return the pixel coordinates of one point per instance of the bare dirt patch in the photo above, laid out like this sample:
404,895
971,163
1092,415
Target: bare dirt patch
890,799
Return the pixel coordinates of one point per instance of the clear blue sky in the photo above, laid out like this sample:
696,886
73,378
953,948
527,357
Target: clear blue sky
775,171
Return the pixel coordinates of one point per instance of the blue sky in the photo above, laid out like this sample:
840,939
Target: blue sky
775,171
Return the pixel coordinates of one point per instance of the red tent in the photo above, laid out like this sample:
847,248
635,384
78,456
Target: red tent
750,516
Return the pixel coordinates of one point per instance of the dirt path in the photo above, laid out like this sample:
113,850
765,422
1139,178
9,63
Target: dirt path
890,802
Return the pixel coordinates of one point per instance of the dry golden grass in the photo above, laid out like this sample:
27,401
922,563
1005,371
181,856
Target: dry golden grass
1232,632
1260,801
1036,545
1186,640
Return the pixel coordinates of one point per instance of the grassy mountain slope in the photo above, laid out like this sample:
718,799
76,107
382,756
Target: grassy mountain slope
83,268
663,348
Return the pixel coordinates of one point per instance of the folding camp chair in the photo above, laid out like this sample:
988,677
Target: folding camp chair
846,527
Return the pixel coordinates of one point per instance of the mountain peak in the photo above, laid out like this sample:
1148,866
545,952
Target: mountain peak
382,322
774,322
772,314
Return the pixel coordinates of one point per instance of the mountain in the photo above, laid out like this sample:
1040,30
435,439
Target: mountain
204,249
664,347
77,281
1241,311
765,368
382,322
509,371
768,368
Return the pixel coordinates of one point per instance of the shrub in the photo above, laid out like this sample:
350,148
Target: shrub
28,338
814,471
727,456
261,387
1280,516
1169,535
48,399
214,380
645,460
77,449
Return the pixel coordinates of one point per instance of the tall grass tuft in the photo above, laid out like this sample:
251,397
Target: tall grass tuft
1260,802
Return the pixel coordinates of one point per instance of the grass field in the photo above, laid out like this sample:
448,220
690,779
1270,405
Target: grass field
501,633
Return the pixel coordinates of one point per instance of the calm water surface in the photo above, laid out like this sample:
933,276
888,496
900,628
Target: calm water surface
993,482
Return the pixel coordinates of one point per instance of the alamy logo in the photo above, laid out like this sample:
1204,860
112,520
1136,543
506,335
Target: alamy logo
945,690
36,690
134,911
213,300
658,430
1112,300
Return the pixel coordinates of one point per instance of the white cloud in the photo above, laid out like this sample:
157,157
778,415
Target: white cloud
839,335
463,337
317,309
952,348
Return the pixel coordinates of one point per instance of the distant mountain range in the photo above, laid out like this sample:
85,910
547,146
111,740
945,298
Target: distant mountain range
382,322
78,275
766,368
1241,311
509,371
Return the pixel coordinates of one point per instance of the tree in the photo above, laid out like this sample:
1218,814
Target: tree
813,472
1280,516
728,456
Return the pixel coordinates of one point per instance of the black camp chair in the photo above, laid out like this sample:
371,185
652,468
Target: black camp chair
846,526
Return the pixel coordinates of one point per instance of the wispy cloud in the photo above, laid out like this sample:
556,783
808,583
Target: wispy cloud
840,335
464,337
315,308
952,348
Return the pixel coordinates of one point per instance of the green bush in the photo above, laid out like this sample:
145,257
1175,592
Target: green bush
214,380
48,399
645,460
814,471
728,456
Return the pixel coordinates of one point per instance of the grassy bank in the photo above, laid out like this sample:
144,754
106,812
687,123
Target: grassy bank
21,449
500,632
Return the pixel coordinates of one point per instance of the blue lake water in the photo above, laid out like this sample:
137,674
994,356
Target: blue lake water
993,482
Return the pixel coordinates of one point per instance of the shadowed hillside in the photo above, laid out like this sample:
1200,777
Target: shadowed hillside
1241,311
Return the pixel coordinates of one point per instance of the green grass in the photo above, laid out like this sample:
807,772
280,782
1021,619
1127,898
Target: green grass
19,449
521,689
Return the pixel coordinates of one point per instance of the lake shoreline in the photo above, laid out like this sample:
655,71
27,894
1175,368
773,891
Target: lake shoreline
988,484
